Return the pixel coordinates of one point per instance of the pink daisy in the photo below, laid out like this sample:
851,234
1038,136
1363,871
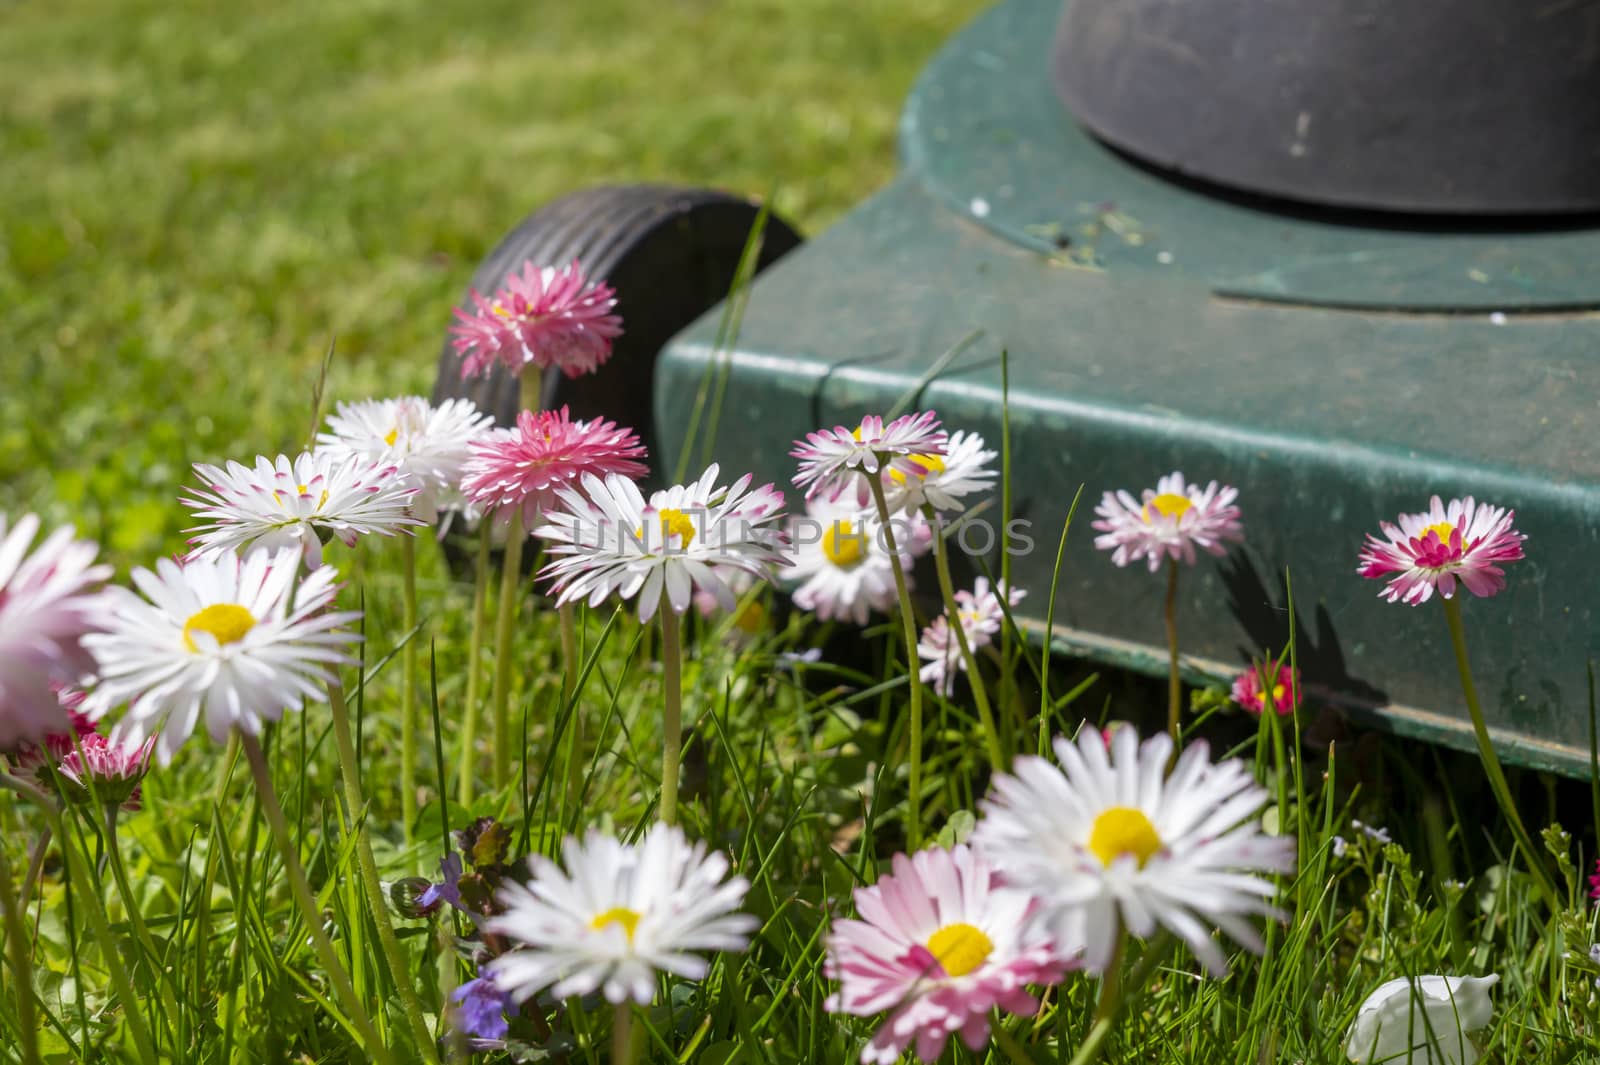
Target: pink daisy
981,615
545,451
1284,691
82,754
1168,522
48,602
543,317
940,945
828,457
115,766
1594,882
1430,551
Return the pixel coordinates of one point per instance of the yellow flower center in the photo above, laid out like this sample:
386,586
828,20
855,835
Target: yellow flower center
226,622
301,490
1168,505
843,545
1123,830
392,436
673,523
960,948
628,919
926,464
1442,528
1277,693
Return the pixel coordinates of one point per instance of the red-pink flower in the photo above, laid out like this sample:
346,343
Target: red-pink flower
85,755
543,317
115,767
546,450
1594,881
941,944
1283,692
1432,550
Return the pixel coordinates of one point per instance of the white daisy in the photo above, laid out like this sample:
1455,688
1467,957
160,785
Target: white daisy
942,480
608,540
1423,1021
429,444
981,617
48,601
1105,843
841,564
829,458
240,640
1168,522
297,503
617,916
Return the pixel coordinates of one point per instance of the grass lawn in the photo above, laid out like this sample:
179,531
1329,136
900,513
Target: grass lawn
195,197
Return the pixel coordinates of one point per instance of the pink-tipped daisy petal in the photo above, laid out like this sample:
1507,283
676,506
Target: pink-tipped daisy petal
1169,521
940,944
981,616
49,601
524,466
428,444
1430,552
543,317
831,458
295,503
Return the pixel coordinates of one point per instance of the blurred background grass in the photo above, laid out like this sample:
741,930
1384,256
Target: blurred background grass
194,197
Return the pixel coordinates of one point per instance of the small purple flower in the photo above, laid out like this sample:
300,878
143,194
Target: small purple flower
447,891
482,1009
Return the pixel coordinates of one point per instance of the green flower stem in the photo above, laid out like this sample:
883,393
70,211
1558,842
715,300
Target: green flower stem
119,872
20,955
569,648
35,866
408,688
456,1049
672,720
570,665
991,734
1007,1042
622,1035
1110,999
1175,678
1115,993
505,617
908,627
466,773
308,903
1491,761
396,960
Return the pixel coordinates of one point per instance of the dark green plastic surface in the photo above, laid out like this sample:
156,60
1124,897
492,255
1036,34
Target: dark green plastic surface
1336,374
